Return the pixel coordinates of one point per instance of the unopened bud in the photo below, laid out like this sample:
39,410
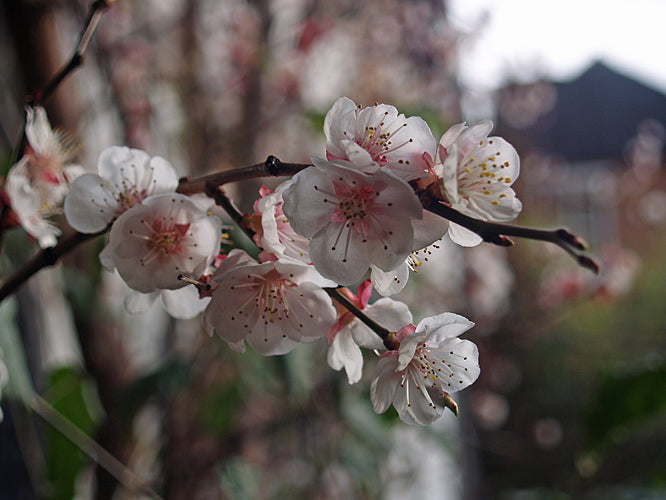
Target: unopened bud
589,263
450,403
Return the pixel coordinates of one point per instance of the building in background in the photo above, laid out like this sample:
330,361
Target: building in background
593,148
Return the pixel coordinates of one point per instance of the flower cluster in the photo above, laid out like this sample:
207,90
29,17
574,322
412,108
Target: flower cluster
353,213
355,210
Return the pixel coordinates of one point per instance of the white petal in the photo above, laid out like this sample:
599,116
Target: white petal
443,326
417,409
311,312
472,136
344,352
414,139
231,312
304,201
464,362
340,118
450,136
339,254
183,303
73,172
430,228
385,383
393,241
268,339
359,157
163,179
391,314
38,130
408,348
90,205
300,273
495,203
120,164
388,283
463,236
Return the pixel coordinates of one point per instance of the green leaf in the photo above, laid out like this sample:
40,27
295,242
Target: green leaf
69,393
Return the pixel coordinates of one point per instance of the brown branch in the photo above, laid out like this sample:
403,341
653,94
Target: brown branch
45,258
221,199
382,332
490,232
272,167
49,256
97,8
497,234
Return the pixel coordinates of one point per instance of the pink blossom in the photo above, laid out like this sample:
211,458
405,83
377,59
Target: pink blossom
430,363
379,135
476,172
273,305
353,219
156,241
125,178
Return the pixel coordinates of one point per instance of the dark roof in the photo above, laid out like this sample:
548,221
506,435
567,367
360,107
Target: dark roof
593,116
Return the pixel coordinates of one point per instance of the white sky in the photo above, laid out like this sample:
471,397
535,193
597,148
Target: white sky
560,38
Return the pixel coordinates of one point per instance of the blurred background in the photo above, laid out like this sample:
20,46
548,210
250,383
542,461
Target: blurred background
571,401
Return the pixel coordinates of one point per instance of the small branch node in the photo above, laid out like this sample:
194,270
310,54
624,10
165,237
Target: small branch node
273,165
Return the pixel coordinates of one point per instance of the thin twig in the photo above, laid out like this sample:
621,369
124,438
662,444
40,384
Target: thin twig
45,258
97,8
340,298
221,199
89,446
272,167
492,232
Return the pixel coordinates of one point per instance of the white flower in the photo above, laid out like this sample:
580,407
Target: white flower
154,242
38,182
430,363
349,332
125,177
275,234
273,305
353,219
387,139
476,173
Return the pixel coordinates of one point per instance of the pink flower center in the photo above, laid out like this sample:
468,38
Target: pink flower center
167,239
355,204
378,142
130,197
46,167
